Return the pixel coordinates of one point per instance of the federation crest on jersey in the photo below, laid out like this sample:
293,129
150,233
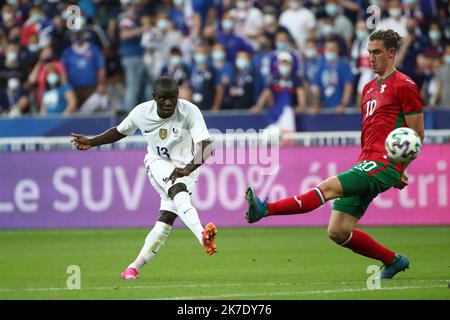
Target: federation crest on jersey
163,133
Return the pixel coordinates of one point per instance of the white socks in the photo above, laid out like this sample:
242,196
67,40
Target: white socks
153,243
188,214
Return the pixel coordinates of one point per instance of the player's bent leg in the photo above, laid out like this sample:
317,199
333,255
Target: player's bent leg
341,226
153,243
328,189
189,215
341,230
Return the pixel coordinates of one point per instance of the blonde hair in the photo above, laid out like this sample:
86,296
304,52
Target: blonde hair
390,38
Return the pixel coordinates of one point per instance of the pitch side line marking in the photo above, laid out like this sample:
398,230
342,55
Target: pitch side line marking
226,285
295,293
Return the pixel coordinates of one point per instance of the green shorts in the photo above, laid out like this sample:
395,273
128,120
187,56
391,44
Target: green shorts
362,183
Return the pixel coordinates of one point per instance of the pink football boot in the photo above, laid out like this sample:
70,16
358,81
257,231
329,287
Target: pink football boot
130,274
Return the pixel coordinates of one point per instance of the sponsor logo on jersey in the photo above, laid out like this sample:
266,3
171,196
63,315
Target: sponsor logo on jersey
163,133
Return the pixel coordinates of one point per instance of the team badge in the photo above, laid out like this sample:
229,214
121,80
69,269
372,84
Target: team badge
163,133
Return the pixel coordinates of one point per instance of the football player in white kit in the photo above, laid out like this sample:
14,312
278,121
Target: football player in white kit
173,128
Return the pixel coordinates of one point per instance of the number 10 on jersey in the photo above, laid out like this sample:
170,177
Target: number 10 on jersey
370,107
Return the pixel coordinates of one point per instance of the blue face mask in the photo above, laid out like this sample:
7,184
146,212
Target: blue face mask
434,35
284,70
242,63
227,24
163,24
200,58
331,9
218,55
361,34
310,53
33,47
281,46
52,79
175,60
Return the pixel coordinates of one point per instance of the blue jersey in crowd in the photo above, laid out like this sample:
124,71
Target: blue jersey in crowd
55,100
284,92
331,79
311,67
82,68
233,44
132,46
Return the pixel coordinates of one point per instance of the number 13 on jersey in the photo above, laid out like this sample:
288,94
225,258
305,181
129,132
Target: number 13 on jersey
163,152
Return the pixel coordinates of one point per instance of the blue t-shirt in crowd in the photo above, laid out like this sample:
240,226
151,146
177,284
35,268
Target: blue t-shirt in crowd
284,92
331,79
132,46
225,74
82,68
233,43
311,67
55,100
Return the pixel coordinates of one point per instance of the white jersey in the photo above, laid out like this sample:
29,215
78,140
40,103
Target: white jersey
171,138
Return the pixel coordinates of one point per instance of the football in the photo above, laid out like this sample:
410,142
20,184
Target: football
403,144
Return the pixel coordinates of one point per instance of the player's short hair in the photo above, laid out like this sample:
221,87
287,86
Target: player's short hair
390,38
166,83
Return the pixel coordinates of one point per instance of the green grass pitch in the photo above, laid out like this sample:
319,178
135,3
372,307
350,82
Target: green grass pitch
252,263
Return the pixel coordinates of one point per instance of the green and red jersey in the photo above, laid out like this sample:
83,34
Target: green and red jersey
385,104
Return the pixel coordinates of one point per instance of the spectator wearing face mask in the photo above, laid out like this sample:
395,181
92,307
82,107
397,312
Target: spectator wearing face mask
239,94
272,27
206,88
430,60
223,68
14,99
157,42
39,24
84,58
230,40
30,54
396,20
441,95
7,22
248,20
37,76
131,54
11,66
58,95
311,67
333,85
177,69
327,31
269,64
284,89
360,60
409,51
341,25
299,20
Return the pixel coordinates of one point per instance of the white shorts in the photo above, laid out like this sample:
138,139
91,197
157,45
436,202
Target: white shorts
158,172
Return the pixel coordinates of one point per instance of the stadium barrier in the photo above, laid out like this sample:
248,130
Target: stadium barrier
109,188
56,125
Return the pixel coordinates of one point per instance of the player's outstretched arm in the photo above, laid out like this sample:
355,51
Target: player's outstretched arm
204,152
83,143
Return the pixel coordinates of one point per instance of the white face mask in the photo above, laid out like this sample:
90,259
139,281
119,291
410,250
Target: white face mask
284,70
13,84
310,53
395,12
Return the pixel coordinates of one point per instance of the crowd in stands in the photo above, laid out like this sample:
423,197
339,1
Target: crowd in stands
283,56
